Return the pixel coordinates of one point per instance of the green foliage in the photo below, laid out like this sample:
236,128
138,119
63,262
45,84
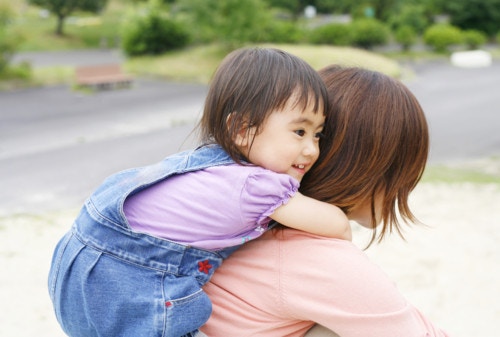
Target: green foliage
199,62
468,173
359,10
413,16
368,33
483,15
63,8
9,41
441,36
66,7
7,49
329,6
230,22
406,37
473,38
84,30
106,34
6,14
332,34
20,71
376,9
283,32
152,34
295,7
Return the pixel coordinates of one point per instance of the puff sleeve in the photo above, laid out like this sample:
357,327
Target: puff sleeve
263,192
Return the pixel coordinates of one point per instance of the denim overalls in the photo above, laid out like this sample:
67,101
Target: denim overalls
108,281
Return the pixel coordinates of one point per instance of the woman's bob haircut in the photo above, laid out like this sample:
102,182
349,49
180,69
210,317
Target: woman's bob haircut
376,144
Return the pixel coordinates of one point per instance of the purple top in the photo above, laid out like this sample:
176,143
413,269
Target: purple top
214,208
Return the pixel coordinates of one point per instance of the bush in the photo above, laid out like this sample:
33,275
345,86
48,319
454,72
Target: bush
152,34
441,36
334,34
283,32
406,37
20,71
473,38
368,33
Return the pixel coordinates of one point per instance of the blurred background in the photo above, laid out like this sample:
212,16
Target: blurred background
90,87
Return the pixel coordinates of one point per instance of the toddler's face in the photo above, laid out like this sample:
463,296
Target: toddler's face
288,141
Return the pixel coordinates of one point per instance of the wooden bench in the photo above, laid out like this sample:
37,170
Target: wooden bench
106,76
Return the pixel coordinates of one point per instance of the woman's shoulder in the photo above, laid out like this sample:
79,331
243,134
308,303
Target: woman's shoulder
300,247
292,237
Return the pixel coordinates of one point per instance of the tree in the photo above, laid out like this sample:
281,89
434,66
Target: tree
413,16
63,8
482,15
230,22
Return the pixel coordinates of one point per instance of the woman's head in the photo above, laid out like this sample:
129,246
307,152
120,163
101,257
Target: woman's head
251,84
375,147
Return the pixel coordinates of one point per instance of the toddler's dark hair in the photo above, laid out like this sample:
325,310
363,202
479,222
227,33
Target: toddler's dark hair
251,83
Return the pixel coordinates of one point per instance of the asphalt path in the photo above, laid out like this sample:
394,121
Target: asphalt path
462,106
57,144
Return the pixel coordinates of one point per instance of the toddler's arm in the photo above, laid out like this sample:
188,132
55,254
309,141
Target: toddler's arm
313,216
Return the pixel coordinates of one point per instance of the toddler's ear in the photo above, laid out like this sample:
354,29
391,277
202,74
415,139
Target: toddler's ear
240,136
240,140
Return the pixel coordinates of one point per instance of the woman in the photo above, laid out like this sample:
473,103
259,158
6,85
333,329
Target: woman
372,158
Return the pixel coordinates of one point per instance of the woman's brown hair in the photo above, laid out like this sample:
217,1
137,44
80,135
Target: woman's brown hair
251,83
376,144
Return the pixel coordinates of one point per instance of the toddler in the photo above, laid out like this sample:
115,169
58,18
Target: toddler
149,238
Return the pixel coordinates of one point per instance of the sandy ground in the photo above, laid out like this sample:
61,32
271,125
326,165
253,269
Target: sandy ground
449,269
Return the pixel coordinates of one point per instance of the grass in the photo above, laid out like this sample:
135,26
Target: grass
197,64
52,75
484,171
321,56
82,30
193,64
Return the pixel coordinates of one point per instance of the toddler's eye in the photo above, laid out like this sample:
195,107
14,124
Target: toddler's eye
301,133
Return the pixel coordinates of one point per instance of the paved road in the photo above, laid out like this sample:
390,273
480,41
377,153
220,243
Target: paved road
56,145
462,108
70,57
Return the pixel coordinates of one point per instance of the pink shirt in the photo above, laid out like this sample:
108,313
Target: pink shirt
221,206
281,283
